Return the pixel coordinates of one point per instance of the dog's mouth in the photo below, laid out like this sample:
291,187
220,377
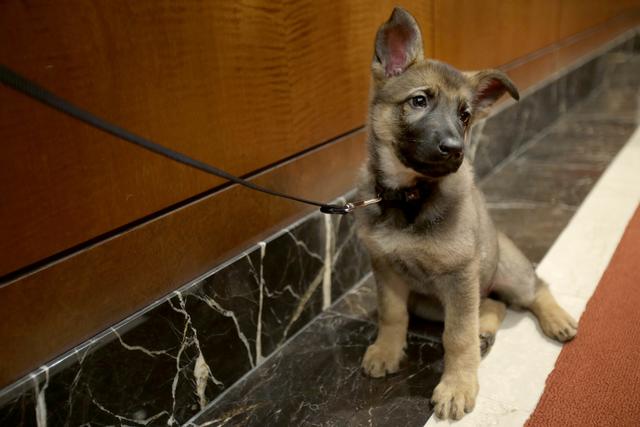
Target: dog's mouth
434,169
428,159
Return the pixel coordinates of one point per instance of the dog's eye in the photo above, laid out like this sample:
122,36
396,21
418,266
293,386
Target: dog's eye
419,101
464,116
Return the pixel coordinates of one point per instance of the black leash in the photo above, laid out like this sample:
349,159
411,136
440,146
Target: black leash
29,88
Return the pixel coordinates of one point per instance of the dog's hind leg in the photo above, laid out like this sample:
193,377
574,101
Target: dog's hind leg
517,284
492,314
555,322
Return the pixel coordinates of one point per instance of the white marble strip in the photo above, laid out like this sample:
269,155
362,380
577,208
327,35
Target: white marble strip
513,375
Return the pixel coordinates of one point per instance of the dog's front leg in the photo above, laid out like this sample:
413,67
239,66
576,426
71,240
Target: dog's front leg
384,355
456,393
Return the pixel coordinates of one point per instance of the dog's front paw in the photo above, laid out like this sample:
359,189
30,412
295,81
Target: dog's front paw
381,360
559,325
454,397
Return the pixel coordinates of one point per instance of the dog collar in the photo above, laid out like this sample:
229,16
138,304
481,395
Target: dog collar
403,195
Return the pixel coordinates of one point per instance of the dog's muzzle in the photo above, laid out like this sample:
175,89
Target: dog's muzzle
432,159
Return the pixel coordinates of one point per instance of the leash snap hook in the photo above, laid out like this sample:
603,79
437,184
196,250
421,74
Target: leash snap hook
363,203
349,207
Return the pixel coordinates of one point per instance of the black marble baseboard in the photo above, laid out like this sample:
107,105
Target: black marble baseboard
163,365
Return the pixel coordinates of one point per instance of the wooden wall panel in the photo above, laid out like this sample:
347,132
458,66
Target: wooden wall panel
474,34
580,15
241,85
481,34
528,72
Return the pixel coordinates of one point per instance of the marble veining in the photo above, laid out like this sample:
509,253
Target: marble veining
41,403
329,247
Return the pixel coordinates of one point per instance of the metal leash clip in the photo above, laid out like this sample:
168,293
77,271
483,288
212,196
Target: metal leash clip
349,207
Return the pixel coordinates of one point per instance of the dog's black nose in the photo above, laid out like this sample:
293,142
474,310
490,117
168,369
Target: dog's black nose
451,147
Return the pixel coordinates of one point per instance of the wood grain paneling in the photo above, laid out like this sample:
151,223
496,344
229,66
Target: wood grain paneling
483,34
241,85
528,72
579,15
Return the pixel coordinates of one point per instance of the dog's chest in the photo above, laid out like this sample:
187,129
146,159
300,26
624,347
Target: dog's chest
429,252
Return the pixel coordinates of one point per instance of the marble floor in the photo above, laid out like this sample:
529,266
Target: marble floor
316,379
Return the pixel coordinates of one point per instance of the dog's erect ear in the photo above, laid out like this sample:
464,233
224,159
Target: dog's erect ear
489,86
398,45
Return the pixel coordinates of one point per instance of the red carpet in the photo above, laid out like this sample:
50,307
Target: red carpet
596,381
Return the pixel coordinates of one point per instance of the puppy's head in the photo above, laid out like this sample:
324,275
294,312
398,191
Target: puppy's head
421,109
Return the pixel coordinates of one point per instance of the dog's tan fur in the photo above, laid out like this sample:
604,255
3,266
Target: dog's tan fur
441,259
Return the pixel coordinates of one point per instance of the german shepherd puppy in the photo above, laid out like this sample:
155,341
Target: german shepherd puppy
433,246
